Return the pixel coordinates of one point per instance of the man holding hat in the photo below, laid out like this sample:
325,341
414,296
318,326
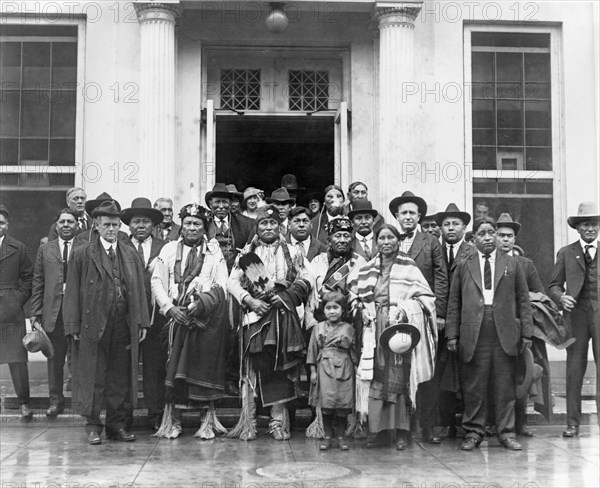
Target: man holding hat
426,251
283,202
76,200
142,219
16,273
49,284
363,217
574,288
105,310
273,348
167,230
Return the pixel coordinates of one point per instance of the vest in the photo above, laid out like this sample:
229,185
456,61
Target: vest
589,290
225,241
118,290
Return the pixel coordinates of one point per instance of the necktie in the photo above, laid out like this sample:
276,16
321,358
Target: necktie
111,254
65,260
301,252
140,251
366,247
587,255
223,226
451,255
191,261
487,273
81,223
408,235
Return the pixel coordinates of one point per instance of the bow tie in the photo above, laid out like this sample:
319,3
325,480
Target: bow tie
408,235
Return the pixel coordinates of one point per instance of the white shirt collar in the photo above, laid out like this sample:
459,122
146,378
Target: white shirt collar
305,242
492,255
107,245
218,220
594,244
368,237
456,245
61,242
145,242
1,240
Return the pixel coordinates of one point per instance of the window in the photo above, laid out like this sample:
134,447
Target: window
309,90
240,89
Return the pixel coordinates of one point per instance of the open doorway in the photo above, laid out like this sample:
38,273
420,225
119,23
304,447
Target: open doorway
258,150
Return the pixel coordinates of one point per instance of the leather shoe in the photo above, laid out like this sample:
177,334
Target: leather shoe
26,412
343,443
571,431
94,438
469,444
512,444
54,410
430,438
121,435
524,432
232,390
378,441
326,444
400,445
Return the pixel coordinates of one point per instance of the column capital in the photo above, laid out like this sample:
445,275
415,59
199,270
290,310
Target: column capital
397,13
149,11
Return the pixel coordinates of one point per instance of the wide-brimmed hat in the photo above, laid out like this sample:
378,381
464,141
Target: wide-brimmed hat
505,220
219,190
586,211
400,338
251,192
362,206
235,193
280,195
526,373
451,211
4,211
142,207
90,205
108,208
38,340
289,182
408,197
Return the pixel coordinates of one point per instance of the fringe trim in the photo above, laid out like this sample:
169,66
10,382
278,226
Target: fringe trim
210,425
316,430
245,429
362,397
355,427
169,428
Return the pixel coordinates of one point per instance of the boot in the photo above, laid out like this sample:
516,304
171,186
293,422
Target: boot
328,428
341,423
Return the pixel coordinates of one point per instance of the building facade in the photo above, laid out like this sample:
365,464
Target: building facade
491,105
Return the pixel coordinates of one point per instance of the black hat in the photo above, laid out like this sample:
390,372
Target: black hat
340,224
38,340
280,195
452,211
289,182
362,206
90,205
108,208
219,190
403,343
408,197
235,193
141,206
4,211
525,373
505,220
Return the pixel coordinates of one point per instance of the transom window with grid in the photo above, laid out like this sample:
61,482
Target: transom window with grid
511,87
308,90
240,89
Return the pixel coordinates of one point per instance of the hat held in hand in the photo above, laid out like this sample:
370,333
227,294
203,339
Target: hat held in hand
37,340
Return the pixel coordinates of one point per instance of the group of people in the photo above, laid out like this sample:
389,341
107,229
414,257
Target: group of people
397,328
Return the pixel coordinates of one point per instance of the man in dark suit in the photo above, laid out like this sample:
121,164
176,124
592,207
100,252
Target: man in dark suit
430,226
426,251
363,217
232,232
299,234
284,202
167,230
142,219
358,191
577,267
106,313
91,233
489,321
49,283
16,273
76,200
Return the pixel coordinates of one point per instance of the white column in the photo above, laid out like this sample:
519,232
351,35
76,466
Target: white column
396,109
157,98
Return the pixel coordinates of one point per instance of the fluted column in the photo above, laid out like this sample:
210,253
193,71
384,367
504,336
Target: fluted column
157,97
396,108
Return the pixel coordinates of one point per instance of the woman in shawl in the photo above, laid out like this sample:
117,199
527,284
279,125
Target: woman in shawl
391,288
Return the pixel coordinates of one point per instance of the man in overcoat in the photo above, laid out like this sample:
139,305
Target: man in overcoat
106,312
16,273
574,288
489,320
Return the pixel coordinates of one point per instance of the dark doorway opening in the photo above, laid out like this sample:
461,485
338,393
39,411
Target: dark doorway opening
257,151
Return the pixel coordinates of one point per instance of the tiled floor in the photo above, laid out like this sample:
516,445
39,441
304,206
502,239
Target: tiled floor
57,454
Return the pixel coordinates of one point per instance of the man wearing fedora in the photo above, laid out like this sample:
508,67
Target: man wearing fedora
167,230
49,284
363,217
142,219
574,288
105,310
16,273
76,200
358,191
426,251
284,202
489,321
91,233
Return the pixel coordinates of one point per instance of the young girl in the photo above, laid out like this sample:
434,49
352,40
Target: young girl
332,357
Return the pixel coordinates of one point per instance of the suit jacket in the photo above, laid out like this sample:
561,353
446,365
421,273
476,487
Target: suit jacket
511,307
427,253
358,248
16,272
531,275
155,248
316,247
48,279
173,234
241,228
569,269
92,234
53,232
462,253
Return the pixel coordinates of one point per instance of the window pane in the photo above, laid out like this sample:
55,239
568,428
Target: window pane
539,187
510,115
9,108
537,89
484,158
482,67
10,64
484,137
36,64
34,151
64,64
63,114
537,115
9,152
510,90
510,158
62,152
509,67
510,137
486,90
537,67
483,114
35,107
538,137
539,159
